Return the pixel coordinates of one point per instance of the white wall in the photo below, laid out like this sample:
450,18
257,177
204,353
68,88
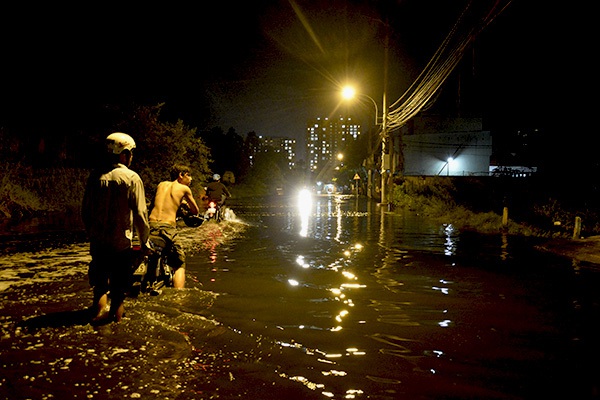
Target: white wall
427,154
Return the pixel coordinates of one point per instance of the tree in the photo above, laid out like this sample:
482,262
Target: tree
269,171
162,144
227,151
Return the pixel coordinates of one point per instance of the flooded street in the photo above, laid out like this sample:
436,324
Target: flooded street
324,297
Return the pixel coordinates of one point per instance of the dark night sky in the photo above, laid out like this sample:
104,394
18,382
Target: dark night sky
254,66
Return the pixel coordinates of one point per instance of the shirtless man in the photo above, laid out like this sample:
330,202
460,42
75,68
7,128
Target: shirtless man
169,197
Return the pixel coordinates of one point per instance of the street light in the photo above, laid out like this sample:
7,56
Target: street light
340,158
449,161
348,92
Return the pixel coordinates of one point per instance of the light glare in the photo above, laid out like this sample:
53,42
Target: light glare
348,92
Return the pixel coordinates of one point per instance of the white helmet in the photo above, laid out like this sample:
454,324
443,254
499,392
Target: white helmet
216,177
117,142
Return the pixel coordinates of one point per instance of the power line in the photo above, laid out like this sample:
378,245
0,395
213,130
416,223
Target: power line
445,59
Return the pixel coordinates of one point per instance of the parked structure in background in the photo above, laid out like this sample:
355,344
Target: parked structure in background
435,145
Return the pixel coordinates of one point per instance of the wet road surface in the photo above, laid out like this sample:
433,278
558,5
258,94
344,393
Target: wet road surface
325,298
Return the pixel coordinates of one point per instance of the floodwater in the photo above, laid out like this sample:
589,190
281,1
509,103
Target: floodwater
327,297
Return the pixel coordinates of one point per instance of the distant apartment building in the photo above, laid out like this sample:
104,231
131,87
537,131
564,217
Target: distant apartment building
279,144
326,137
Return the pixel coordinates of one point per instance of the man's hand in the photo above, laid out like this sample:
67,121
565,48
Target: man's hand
147,248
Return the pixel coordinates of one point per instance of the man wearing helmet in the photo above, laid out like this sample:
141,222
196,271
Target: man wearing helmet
170,195
216,191
114,204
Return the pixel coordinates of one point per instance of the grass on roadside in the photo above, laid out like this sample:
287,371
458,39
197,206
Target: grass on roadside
442,200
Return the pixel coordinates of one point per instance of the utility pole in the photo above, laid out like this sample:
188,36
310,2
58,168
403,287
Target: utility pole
370,162
386,149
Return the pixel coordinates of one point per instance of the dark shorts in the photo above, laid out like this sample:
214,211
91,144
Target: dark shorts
110,270
176,256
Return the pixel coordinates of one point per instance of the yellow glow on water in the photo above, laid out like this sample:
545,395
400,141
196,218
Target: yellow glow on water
322,360
334,372
349,275
341,315
304,209
306,382
353,285
300,262
352,393
338,213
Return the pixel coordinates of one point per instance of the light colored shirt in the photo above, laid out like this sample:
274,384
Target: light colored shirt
114,204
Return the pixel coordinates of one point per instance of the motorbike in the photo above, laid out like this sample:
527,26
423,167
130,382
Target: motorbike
213,211
186,218
151,271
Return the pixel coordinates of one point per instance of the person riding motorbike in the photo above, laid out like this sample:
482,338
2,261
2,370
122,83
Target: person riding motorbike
170,196
216,191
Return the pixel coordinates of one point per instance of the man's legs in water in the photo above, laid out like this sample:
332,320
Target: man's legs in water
177,257
98,278
99,307
119,280
179,277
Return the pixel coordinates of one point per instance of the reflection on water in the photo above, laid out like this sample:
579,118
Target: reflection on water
304,210
385,305
504,248
451,239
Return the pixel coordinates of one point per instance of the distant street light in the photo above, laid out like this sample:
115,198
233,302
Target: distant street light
340,157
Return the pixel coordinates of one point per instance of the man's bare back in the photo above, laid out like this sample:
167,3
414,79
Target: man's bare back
169,197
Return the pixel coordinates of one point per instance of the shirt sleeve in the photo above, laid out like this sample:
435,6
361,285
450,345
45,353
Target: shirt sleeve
139,209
